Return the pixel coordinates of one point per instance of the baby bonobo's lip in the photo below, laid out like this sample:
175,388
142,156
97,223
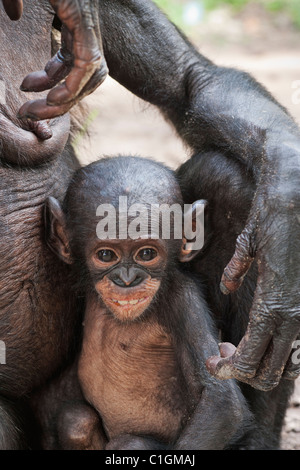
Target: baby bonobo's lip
129,303
129,309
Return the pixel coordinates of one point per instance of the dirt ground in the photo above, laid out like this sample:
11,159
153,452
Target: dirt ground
120,123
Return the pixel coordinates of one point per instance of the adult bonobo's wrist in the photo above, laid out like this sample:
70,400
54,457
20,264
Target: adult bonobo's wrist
281,168
270,234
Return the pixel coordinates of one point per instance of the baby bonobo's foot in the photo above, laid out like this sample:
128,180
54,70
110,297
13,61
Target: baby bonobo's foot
132,442
79,428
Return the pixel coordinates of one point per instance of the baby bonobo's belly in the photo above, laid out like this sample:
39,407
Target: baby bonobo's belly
129,373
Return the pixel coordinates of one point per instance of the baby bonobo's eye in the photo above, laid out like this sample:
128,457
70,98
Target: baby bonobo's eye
107,256
146,254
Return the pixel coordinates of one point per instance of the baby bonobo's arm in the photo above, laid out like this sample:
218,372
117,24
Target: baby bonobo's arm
221,415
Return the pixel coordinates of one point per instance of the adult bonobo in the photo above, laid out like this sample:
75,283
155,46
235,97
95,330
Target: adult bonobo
213,109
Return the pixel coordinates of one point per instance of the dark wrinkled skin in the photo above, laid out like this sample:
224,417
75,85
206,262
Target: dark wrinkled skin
247,128
38,310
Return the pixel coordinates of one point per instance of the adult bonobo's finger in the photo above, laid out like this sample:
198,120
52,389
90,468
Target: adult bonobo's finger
81,20
38,110
241,261
273,363
243,362
13,8
268,359
55,71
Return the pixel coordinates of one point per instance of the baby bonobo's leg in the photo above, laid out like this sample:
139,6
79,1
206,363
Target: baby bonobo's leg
132,442
79,428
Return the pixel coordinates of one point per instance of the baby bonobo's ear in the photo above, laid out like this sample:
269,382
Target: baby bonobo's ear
193,230
55,229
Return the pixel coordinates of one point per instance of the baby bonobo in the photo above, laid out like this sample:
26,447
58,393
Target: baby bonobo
147,329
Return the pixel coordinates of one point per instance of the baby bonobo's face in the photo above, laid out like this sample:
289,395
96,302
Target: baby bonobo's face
122,223
126,274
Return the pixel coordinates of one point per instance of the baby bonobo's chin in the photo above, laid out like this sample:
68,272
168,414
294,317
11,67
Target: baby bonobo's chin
127,304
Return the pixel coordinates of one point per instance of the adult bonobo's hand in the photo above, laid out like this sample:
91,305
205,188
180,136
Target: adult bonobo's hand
272,233
80,60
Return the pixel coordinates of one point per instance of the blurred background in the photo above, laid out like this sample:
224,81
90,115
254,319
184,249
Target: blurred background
186,13
261,37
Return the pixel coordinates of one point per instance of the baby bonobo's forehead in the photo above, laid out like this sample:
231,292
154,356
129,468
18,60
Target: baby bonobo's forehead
140,180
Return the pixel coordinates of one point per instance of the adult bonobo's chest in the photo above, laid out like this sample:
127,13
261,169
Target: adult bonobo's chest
35,299
130,374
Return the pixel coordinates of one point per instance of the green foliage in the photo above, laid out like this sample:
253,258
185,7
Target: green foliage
292,7
174,8
235,4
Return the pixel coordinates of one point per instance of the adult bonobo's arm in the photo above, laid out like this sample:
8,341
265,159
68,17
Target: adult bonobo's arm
80,60
218,108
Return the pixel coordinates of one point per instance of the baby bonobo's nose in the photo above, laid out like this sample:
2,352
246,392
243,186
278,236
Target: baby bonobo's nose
127,278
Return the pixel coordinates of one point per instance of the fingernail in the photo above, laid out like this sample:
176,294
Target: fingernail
28,116
24,87
224,289
211,364
226,349
41,129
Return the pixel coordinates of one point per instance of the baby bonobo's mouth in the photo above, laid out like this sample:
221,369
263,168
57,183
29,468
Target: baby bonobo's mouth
127,304
124,303
128,310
